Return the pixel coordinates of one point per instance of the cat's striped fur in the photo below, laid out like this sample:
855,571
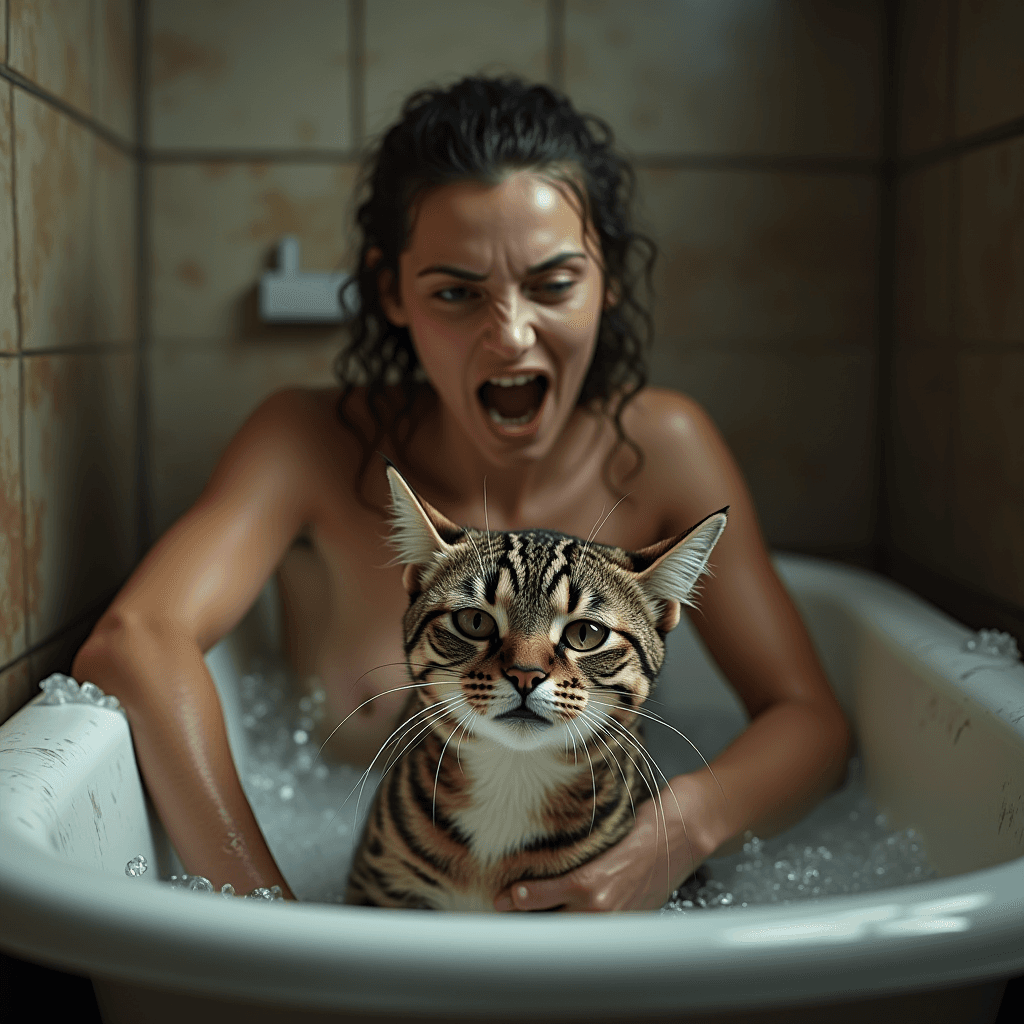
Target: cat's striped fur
520,754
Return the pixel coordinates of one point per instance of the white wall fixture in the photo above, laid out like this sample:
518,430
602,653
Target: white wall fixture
289,295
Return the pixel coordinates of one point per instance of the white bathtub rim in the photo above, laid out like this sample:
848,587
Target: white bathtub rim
336,957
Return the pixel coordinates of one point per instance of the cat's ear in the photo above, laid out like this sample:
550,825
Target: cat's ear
669,570
419,533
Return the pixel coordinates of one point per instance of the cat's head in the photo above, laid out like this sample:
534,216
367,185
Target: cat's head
532,638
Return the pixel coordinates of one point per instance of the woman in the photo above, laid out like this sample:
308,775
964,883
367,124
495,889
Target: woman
498,347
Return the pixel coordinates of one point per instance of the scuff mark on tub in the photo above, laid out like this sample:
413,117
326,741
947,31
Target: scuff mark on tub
966,722
95,804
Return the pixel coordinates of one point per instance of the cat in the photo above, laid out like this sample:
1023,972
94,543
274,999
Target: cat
530,653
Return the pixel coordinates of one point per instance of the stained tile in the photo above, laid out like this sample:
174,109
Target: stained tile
924,267
200,396
114,65
801,427
215,229
114,264
920,431
3,30
991,253
757,256
254,74
8,278
989,473
12,574
412,45
685,76
79,423
15,688
925,105
50,44
54,157
990,64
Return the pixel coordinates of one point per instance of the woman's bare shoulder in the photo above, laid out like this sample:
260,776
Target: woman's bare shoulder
688,468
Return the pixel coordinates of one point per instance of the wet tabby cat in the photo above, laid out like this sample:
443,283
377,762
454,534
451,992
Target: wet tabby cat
532,652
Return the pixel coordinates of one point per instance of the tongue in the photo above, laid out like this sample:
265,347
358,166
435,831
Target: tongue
514,401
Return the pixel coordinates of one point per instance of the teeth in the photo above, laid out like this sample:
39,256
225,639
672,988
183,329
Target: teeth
512,382
510,421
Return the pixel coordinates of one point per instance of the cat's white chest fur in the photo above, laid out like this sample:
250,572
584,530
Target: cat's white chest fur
509,789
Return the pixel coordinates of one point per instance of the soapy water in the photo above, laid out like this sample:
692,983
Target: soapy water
307,809
311,812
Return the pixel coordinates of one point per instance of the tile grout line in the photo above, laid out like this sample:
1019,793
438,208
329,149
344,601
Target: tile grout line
142,291
19,327
1005,132
357,73
953,199
84,120
886,284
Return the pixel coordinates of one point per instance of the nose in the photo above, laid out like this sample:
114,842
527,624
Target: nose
510,330
525,679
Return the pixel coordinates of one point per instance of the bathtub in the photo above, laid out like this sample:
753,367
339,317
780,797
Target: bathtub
941,733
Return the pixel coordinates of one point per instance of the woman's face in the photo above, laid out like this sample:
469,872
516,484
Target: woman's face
501,290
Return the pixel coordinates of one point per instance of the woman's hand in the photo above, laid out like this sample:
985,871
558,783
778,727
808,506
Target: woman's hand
635,874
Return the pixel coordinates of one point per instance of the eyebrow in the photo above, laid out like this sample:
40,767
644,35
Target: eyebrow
468,275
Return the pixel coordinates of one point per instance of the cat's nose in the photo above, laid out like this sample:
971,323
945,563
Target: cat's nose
525,679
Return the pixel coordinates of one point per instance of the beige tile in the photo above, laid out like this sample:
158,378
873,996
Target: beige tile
990,64
51,44
15,688
215,229
920,431
114,65
12,573
255,74
801,426
54,159
411,45
8,278
990,289
753,256
114,264
200,396
925,105
989,474
80,444
3,31
686,76
924,254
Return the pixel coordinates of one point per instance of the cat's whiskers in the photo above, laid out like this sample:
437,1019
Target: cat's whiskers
655,792
437,774
661,721
431,711
593,779
595,725
383,693
595,531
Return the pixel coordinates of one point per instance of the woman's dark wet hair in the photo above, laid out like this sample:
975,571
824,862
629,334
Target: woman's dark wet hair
482,129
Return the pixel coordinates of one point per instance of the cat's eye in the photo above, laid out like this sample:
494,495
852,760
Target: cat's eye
582,635
474,623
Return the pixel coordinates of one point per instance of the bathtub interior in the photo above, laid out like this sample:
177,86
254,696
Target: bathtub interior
939,731
937,759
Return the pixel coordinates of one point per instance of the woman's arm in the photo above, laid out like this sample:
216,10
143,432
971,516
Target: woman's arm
192,588
796,747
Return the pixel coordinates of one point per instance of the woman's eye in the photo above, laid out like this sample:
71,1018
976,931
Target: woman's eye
456,294
558,287
585,636
474,623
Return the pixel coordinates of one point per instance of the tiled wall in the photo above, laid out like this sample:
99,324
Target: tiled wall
761,192
68,327
955,439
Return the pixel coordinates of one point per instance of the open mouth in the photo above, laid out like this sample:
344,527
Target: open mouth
513,401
